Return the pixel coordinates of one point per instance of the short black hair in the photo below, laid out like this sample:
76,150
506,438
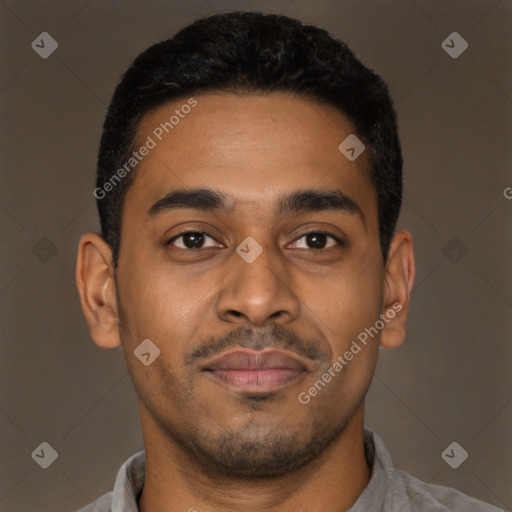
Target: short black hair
246,52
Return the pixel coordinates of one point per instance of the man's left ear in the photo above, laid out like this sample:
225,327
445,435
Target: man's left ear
400,270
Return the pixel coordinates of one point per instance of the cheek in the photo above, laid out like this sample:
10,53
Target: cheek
170,311
348,301
153,301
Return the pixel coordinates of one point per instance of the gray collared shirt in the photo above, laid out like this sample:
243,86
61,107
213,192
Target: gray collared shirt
389,489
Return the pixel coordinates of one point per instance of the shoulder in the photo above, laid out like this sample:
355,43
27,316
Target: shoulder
423,496
102,504
396,490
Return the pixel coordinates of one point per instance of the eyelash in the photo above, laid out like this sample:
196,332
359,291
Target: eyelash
341,243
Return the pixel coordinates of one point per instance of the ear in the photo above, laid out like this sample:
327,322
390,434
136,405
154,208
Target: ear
96,287
400,270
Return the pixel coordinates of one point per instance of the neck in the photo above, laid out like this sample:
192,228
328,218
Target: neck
339,475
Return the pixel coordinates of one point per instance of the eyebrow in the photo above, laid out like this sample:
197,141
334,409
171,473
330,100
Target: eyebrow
300,201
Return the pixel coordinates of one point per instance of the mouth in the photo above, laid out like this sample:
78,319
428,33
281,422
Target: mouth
256,371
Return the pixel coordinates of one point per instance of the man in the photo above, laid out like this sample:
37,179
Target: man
249,183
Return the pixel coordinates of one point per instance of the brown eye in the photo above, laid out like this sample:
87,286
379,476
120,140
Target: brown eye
191,240
316,240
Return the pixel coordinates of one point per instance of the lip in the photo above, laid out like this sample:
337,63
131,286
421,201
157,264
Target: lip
256,371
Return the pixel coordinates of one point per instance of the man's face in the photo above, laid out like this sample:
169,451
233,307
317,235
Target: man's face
196,297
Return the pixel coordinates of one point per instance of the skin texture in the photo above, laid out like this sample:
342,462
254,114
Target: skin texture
210,447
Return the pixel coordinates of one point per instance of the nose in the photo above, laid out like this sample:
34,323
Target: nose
257,293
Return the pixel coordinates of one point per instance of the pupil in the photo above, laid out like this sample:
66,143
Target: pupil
316,240
193,240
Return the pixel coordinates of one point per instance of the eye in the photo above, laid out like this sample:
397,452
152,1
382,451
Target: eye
317,240
192,240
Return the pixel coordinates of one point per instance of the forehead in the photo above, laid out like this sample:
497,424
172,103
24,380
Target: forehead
253,148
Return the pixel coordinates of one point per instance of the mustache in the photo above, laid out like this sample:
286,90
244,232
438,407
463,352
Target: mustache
274,336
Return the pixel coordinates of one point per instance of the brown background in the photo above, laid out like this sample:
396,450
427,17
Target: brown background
451,380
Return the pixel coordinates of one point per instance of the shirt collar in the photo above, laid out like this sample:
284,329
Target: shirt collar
129,484
381,465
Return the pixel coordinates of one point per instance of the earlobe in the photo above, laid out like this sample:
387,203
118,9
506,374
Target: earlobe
400,271
96,288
